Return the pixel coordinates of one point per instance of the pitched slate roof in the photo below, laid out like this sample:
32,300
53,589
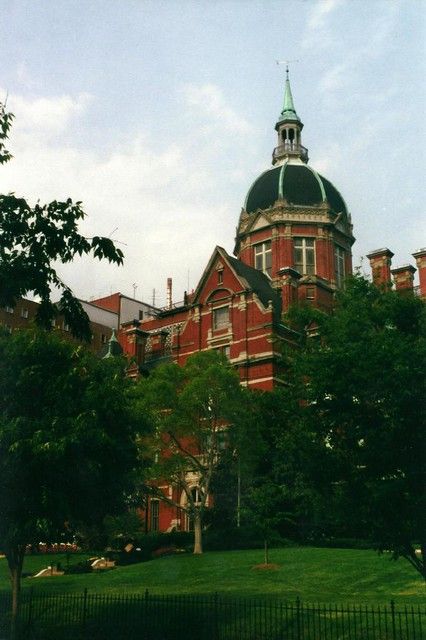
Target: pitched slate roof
258,282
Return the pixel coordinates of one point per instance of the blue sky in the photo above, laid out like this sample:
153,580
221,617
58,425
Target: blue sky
159,115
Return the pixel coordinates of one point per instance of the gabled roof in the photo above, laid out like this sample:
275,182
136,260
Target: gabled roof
258,282
249,278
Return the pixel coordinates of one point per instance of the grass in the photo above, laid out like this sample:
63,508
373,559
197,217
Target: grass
313,574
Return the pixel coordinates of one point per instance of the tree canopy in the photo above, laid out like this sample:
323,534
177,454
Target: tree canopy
67,445
32,238
360,380
190,409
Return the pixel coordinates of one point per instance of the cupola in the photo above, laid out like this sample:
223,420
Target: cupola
289,129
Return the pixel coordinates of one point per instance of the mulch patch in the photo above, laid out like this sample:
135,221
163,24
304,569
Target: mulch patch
268,567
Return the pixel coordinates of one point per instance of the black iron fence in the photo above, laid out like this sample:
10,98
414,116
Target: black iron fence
91,616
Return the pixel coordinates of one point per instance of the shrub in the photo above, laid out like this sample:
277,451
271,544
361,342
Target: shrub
85,566
240,538
152,545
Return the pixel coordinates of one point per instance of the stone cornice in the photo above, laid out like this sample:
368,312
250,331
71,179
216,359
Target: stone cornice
282,212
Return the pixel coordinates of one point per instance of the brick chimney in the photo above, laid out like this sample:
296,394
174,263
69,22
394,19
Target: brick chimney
403,278
420,257
290,282
380,262
135,340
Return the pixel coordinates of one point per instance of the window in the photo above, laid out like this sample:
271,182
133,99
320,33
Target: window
304,255
263,257
196,496
103,338
220,318
220,277
9,309
225,350
155,515
65,326
310,293
339,265
140,314
24,313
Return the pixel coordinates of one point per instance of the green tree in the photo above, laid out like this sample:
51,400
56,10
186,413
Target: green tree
360,380
191,409
279,495
67,446
32,239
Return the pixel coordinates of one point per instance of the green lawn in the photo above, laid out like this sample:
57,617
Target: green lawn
315,575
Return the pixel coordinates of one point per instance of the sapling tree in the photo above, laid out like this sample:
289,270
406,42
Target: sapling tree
191,410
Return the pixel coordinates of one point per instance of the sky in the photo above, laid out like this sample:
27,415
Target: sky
160,115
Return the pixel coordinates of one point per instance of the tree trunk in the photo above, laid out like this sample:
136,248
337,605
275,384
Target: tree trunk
239,494
266,551
198,546
15,560
423,560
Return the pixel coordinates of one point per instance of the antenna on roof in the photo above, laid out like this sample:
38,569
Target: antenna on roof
135,286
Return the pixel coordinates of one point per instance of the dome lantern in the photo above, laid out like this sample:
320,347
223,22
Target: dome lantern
289,128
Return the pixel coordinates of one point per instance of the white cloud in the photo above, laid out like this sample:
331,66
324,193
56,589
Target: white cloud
159,198
318,35
334,78
209,102
320,12
45,116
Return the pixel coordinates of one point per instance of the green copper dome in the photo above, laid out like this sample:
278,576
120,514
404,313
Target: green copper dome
297,184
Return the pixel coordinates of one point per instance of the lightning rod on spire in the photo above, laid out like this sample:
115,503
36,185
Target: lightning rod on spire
286,62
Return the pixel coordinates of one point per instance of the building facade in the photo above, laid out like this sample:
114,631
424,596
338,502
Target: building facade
102,322
293,242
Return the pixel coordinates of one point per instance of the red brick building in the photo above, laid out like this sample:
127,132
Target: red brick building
293,243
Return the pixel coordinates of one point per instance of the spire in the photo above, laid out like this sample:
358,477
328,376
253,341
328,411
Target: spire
289,128
288,112
114,347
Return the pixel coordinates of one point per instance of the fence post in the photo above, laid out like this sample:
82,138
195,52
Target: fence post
216,616
392,604
298,617
30,609
83,620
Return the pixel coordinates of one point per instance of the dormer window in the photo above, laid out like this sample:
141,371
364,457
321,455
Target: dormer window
263,257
